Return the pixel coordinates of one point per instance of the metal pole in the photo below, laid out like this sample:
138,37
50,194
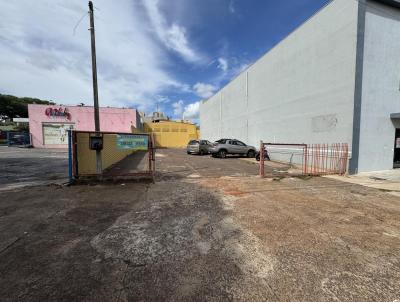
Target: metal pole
95,89
262,168
70,175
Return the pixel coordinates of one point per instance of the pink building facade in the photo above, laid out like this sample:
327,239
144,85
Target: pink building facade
48,124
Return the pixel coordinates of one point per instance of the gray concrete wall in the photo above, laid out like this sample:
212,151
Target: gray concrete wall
302,91
225,114
380,87
210,118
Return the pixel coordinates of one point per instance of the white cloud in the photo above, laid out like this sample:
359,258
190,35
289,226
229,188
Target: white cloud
162,99
172,36
223,64
236,70
204,90
231,7
192,111
40,56
178,108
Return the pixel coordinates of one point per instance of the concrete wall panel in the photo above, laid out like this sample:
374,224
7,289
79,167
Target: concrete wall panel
210,117
381,84
287,95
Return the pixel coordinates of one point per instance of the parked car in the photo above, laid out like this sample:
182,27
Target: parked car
198,147
224,146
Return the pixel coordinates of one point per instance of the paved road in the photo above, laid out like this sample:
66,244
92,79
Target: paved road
176,163
21,167
192,236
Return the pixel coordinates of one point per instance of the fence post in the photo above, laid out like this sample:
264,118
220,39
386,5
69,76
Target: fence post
262,171
153,156
70,146
306,161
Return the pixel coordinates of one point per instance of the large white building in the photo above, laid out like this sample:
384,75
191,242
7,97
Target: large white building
336,79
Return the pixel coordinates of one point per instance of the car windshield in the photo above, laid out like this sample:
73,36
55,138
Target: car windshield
193,142
221,141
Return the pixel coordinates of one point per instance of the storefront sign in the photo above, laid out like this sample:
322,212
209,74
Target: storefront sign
56,134
60,112
132,142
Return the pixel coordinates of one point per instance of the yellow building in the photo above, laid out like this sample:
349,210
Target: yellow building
171,134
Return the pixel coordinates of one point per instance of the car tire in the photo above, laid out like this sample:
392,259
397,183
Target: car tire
251,154
188,152
222,154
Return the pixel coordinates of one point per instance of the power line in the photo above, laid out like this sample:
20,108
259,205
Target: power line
79,22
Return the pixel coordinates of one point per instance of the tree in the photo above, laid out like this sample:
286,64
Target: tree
13,106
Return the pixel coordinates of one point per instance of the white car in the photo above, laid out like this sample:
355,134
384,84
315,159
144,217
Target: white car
223,147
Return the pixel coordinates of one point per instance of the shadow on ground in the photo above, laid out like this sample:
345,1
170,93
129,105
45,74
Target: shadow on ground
127,242
213,231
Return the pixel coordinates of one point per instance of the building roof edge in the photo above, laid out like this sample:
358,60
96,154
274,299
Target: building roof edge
394,3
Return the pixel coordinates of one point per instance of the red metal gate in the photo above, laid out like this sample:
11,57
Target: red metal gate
303,159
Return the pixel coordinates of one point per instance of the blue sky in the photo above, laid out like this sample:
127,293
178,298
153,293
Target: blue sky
170,53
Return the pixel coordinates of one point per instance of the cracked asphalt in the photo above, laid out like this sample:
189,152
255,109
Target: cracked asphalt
206,230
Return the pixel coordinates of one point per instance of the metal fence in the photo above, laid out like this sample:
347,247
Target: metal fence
325,159
18,138
303,159
122,155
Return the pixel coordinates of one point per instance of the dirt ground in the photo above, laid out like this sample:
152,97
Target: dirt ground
206,230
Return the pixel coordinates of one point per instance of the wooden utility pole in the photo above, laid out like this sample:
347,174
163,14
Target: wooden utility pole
95,89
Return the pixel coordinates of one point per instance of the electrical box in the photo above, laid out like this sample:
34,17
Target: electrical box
96,143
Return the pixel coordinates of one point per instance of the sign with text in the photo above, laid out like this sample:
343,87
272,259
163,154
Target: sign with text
58,112
132,142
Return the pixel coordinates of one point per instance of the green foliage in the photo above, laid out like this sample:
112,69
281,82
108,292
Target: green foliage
13,106
22,127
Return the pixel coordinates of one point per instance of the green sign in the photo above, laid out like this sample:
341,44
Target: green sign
132,142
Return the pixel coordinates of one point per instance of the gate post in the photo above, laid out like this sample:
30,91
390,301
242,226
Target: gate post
70,175
262,172
305,160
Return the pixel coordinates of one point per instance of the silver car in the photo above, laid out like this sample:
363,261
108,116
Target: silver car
225,146
198,147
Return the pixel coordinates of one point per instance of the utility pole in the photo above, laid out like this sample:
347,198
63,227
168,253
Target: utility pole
95,90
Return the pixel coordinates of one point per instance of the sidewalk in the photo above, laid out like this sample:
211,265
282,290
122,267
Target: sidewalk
384,180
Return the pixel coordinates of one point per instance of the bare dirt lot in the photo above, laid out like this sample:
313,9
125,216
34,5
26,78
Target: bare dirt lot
206,230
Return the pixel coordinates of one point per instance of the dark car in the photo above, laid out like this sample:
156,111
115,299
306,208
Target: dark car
198,147
266,155
224,146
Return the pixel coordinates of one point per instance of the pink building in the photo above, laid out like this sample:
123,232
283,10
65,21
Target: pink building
48,124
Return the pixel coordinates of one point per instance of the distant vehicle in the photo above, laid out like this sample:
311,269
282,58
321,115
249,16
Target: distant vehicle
223,147
18,139
198,147
266,155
